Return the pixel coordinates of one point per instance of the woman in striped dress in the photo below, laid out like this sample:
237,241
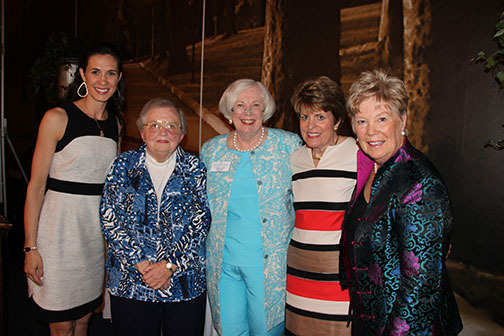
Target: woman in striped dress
324,176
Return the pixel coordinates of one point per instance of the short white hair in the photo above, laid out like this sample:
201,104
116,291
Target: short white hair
160,103
230,95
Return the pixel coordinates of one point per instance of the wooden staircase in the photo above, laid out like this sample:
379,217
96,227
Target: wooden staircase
359,41
240,56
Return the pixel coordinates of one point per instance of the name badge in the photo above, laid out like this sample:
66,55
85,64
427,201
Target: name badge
220,166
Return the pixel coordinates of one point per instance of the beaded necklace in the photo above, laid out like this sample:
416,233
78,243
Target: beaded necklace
235,144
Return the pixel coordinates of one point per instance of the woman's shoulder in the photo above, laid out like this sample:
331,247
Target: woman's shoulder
416,162
214,144
283,133
299,153
350,142
54,122
189,159
216,140
56,114
348,146
285,137
130,156
300,159
415,170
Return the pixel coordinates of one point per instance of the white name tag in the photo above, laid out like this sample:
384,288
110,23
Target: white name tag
220,166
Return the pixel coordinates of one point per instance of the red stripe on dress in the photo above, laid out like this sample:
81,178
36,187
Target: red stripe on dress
320,290
319,220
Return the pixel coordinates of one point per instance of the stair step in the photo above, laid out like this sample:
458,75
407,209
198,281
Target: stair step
360,25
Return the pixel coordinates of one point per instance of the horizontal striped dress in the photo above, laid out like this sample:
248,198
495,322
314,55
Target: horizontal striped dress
316,305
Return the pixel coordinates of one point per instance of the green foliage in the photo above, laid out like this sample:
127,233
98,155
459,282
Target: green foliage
45,71
498,145
494,63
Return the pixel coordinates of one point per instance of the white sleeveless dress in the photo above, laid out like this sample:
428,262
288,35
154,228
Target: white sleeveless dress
69,236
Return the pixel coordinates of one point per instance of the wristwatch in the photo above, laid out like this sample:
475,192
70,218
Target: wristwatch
169,266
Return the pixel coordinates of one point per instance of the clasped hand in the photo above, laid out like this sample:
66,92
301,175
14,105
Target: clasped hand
155,275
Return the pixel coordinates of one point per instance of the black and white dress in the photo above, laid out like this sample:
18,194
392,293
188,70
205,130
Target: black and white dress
69,235
315,302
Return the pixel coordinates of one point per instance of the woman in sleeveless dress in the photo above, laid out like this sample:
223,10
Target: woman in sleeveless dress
76,143
323,178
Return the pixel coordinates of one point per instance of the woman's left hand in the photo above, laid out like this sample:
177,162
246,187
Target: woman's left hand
156,275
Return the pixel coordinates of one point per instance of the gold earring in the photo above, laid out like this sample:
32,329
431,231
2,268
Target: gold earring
78,90
336,128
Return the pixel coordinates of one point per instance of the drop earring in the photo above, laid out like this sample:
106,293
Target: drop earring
79,89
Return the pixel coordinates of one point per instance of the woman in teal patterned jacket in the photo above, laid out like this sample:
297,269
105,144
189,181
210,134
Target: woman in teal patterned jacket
249,191
396,232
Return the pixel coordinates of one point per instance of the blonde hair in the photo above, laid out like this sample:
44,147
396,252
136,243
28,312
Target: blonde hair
388,91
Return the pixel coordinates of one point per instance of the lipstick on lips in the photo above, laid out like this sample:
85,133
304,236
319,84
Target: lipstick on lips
102,91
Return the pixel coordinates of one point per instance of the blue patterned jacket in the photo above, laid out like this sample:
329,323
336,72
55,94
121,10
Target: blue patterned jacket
400,246
270,165
129,219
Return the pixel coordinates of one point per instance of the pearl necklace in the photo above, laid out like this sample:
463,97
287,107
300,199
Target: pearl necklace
235,145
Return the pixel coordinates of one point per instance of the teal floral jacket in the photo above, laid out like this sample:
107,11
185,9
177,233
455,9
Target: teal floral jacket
398,275
270,164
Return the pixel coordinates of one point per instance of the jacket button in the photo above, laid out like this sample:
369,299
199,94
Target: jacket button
252,152
266,256
259,182
264,220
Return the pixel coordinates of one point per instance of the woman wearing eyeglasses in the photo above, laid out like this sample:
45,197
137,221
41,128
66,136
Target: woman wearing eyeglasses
250,197
155,219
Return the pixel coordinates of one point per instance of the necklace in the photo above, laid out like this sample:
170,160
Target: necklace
102,134
235,145
82,106
315,157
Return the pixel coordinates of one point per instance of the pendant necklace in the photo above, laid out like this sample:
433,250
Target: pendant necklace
316,157
102,134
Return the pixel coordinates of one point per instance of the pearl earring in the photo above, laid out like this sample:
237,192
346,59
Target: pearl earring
230,121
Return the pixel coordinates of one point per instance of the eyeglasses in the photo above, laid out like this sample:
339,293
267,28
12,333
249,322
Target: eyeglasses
157,125
254,107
